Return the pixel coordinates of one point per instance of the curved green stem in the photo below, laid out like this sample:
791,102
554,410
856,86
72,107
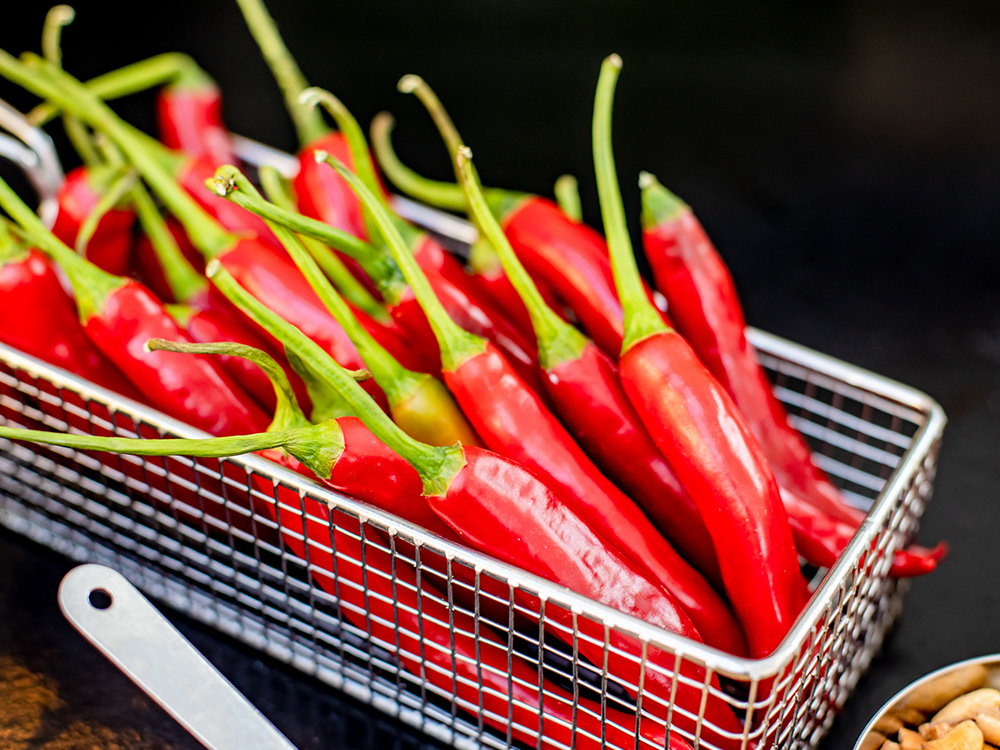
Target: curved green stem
557,340
567,192
50,82
287,414
121,183
279,193
91,285
218,447
414,84
641,318
58,17
441,194
308,122
364,167
184,281
456,344
225,187
659,205
382,270
446,195
436,466
129,79
397,381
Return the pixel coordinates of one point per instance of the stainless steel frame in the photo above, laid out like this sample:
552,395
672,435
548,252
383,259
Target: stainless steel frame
211,539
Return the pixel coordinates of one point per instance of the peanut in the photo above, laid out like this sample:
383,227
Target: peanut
931,731
990,727
910,740
969,706
932,696
888,725
965,736
873,741
909,716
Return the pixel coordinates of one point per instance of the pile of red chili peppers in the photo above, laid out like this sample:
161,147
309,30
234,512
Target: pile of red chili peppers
535,405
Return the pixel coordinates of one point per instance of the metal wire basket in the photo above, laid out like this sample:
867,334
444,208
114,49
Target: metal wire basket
424,629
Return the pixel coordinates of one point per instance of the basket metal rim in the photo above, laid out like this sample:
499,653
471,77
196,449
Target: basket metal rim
684,648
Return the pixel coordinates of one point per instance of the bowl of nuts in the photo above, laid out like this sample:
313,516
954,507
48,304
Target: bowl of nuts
955,708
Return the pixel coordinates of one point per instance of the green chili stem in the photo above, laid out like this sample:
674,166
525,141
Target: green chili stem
50,82
218,447
557,340
457,345
382,269
364,167
397,382
10,248
436,466
641,318
567,192
184,281
279,193
659,205
122,181
347,243
413,84
91,285
441,194
446,195
58,17
287,414
308,122
127,80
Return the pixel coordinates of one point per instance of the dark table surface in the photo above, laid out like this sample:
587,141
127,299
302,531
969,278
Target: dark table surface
845,160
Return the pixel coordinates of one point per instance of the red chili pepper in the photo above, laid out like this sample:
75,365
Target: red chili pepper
699,430
40,319
272,277
398,297
474,490
322,194
200,313
569,258
111,243
189,115
515,422
120,316
192,174
418,402
488,272
579,373
707,311
453,284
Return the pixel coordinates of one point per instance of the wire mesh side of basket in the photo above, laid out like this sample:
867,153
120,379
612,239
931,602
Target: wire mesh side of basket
422,629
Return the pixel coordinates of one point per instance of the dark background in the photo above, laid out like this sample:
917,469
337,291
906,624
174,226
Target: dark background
844,158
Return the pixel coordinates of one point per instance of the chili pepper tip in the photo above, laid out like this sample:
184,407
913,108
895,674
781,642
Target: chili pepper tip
311,96
647,179
62,14
408,83
614,59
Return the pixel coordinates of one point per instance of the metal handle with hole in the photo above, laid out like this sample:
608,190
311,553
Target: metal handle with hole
126,628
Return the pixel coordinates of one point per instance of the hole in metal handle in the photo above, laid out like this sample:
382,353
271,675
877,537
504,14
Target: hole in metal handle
100,599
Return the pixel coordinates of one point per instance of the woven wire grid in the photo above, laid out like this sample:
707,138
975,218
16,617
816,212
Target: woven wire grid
469,650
